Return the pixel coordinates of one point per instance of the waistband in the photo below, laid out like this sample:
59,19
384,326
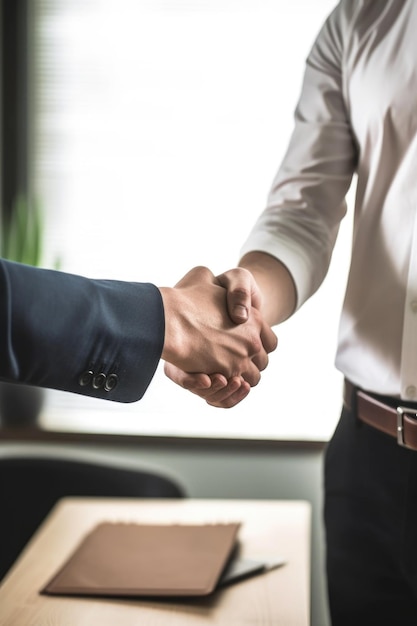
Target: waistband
387,414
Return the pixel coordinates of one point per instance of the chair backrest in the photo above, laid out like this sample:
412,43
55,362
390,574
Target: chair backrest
30,486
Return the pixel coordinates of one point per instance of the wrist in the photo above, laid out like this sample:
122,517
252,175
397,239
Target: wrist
174,342
279,296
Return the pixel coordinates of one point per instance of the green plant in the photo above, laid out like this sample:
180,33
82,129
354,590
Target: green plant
22,233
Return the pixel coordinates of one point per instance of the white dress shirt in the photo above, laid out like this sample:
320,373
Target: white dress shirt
357,115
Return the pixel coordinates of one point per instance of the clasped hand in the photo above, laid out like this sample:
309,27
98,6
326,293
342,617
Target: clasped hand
216,343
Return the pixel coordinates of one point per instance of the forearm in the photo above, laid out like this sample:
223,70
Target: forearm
59,330
279,295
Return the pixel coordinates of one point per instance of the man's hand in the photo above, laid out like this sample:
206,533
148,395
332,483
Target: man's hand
243,293
201,338
243,301
216,389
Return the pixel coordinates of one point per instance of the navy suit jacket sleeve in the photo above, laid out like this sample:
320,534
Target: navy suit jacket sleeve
101,338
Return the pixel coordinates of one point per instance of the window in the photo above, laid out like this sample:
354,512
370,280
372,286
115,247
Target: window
158,126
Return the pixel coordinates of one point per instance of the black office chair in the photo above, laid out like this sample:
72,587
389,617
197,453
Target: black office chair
31,485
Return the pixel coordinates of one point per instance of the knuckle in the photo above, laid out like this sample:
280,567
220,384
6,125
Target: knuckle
256,345
204,271
262,364
253,377
241,293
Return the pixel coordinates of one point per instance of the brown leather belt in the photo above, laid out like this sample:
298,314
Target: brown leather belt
399,422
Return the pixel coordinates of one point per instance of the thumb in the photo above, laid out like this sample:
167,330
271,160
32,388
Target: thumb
242,293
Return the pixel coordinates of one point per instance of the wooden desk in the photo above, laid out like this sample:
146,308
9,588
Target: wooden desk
270,529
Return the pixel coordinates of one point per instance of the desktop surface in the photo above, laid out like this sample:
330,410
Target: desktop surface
269,530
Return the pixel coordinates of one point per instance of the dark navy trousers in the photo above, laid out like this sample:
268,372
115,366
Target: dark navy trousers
370,518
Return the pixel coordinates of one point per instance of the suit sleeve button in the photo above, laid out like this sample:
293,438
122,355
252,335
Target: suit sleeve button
85,378
99,380
111,382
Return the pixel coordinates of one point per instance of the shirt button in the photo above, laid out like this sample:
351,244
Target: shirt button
413,306
411,391
99,380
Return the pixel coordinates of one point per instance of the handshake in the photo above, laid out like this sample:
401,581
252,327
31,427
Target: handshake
216,342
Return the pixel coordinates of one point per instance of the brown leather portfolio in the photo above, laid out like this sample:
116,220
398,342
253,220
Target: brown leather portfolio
119,559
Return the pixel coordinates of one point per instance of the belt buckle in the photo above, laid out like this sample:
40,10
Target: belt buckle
401,411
